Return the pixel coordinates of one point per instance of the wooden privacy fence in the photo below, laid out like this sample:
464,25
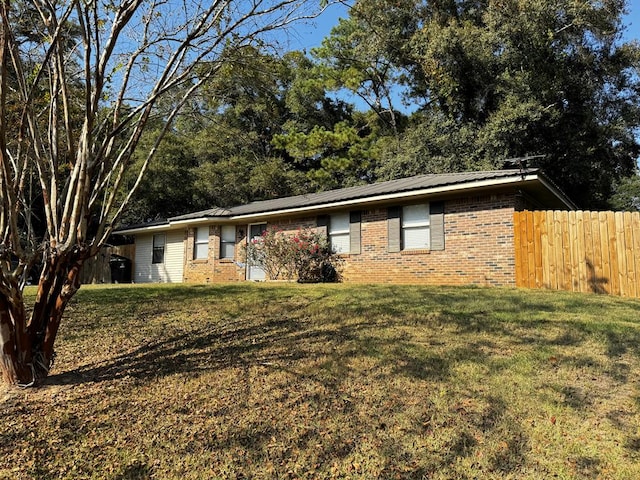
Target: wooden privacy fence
98,269
578,251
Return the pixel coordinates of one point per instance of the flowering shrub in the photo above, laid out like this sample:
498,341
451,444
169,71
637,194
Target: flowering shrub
305,256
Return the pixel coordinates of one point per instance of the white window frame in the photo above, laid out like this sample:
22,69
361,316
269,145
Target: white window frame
227,238
416,227
201,243
339,232
158,249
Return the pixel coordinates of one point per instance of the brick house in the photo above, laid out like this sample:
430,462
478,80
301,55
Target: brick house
429,229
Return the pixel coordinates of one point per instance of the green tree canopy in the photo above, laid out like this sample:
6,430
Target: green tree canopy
500,79
404,87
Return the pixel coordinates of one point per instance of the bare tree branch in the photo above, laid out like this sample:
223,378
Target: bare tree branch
76,95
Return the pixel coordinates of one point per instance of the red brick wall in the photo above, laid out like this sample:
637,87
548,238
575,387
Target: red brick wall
214,269
292,225
478,248
217,270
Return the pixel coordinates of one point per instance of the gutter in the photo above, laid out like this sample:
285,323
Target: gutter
155,228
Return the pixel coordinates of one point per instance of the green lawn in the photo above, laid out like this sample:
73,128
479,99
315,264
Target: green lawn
271,381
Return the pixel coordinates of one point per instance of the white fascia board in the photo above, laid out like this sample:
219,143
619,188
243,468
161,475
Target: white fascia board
151,229
394,196
194,222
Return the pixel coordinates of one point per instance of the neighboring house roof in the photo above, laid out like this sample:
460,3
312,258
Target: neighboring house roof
531,182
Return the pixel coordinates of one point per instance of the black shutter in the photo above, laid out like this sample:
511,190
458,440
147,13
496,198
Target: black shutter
437,225
354,232
393,228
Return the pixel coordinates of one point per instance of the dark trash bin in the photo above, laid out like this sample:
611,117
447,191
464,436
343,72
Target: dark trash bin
120,269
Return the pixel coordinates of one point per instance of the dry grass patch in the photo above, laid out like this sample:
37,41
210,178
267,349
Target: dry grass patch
333,381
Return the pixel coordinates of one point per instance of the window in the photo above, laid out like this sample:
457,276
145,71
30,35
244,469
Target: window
201,244
415,227
158,248
339,232
227,241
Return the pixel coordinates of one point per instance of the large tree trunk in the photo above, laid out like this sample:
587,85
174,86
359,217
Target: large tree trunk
27,341
13,361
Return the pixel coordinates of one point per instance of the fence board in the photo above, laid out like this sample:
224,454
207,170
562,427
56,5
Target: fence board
566,250
635,233
613,253
544,246
588,253
531,267
557,242
97,269
517,222
621,251
522,251
628,253
572,244
601,245
579,251
539,266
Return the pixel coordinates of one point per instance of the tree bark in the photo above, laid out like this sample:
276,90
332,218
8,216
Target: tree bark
15,353
28,343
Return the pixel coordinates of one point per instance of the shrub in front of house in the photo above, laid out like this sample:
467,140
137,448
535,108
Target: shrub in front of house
304,256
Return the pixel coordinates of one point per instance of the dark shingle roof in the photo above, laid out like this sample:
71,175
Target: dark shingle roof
419,182
211,212
531,180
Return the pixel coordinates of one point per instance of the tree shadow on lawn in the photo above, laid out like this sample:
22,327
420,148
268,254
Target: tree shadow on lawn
222,343
525,315
200,350
137,470
278,344
282,341
548,332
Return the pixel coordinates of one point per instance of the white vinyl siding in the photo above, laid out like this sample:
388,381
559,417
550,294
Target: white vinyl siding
339,232
169,271
228,241
201,243
415,227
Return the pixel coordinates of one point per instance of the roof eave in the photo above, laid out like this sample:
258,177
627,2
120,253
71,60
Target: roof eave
194,222
163,227
557,192
385,198
525,178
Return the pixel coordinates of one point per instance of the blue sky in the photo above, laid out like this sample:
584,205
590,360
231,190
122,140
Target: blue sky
632,20
311,35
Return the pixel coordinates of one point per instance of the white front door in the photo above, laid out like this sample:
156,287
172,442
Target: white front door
256,272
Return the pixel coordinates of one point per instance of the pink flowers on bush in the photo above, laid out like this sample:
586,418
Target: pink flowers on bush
305,256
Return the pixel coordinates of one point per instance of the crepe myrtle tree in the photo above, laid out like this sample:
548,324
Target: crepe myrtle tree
80,81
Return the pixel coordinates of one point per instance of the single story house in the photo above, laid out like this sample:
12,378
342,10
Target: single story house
432,229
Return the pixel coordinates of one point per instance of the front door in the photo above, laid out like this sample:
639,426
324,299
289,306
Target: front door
255,271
